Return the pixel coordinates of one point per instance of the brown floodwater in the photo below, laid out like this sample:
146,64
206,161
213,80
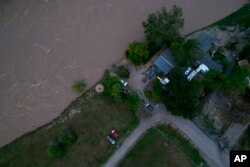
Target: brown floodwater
47,44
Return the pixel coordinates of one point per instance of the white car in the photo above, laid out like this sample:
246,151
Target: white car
124,83
188,70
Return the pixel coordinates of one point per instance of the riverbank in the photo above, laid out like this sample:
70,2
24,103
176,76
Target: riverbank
46,45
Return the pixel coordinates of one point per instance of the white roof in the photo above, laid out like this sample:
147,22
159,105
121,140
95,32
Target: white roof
192,75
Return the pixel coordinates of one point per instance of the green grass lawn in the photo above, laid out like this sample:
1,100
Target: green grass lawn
244,143
163,146
98,115
240,17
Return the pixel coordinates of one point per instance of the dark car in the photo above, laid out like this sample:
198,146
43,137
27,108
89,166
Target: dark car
110,139
149,107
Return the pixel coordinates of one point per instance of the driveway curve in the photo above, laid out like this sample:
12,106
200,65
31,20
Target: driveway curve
208,149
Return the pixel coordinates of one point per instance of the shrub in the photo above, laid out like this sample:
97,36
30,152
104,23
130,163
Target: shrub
79,86
123,72
55,149
66,136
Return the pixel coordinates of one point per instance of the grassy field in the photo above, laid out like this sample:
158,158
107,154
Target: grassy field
240,17
244,143
163,146
98,115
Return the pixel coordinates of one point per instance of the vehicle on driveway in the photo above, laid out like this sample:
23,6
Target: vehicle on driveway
114,133
187,71
110,139
148,105
124,83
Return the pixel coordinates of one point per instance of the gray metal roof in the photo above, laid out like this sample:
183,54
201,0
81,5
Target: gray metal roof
206,41
165,61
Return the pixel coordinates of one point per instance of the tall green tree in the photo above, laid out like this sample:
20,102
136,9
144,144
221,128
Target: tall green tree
181,96
162,27
185,51
138,53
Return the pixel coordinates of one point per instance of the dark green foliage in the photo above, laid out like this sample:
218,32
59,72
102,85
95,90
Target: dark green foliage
235,82
132,102
245,54
79,86
183,96
162,27
66,136
123,72
55,149
185,51
220,58
138,53
180,96
112,87
214,80
240,17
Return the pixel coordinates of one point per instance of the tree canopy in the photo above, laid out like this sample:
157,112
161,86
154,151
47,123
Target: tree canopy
185,51
162,27
138,53
235,82
132,102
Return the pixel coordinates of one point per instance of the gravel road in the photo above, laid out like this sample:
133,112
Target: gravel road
206,146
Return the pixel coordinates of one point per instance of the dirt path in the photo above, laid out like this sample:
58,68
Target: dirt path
47,44
206,146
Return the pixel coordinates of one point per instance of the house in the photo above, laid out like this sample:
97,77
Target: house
165,62
205,43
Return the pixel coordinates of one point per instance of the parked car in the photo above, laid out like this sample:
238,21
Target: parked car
110,139
187,71
114,133
149,107
124,83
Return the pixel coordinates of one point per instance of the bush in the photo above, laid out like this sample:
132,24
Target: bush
55,149
138,53
66,136
123,72
79,86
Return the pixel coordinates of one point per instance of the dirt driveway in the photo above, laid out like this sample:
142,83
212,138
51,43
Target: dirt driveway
47,44
208,149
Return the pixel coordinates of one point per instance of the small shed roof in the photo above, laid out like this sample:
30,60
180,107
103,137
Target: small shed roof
244,62
165,62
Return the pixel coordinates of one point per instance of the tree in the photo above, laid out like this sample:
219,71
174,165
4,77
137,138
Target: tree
79,86
138,53
55,149
123,72
238,79
185,51
215,80
162,27
66,136
235,82
181,96
132,102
